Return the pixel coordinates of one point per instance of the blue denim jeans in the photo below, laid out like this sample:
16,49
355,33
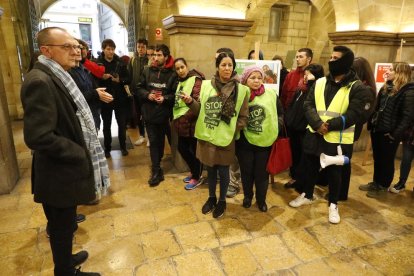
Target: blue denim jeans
407,157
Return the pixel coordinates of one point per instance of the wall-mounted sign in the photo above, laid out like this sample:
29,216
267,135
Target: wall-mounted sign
158,34
85,19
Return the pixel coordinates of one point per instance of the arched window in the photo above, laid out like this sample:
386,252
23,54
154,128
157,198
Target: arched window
277,14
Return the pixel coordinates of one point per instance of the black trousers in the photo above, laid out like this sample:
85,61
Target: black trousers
121,117
224,174
296,141
383,151
140,120
187,148
62,225
311,167
156,135
253,171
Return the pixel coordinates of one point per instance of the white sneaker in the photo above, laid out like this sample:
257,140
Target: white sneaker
334,214
300,200
140,141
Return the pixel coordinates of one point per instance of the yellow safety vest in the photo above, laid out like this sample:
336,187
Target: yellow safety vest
209,126
337,107
180,108
262,126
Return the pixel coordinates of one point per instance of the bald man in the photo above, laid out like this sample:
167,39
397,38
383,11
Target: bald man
56,125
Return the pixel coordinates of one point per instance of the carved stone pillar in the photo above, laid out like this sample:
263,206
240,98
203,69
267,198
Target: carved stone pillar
9,170
197,38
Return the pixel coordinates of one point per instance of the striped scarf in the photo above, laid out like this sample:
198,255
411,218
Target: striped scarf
100,166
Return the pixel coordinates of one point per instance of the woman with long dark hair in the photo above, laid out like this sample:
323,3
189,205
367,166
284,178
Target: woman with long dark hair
184,120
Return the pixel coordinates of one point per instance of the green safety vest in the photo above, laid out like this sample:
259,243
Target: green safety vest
338,106
180,108
209,126
262,126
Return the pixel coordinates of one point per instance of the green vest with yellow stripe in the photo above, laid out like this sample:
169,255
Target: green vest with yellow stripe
262,126
337,107
186,87
209,126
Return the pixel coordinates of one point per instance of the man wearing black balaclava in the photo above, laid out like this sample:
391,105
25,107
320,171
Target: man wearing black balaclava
333,105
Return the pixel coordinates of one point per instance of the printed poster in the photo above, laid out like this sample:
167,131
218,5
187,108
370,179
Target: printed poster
271,69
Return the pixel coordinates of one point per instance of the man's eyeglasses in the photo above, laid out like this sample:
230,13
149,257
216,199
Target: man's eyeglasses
67,46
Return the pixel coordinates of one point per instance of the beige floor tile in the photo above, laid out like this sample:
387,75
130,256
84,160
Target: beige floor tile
342,235
201,263
304,246
272,254
132,223
14,220
196,236
290,218
160,244
347,263
230,230
393,257
238,260
163,267
260,224
171,216
316,267
23,242
21,265
95,229
114,255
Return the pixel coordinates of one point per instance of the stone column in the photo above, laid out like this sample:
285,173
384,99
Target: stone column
9,170
196,39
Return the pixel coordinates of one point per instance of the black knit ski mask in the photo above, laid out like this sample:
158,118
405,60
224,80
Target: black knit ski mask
343,65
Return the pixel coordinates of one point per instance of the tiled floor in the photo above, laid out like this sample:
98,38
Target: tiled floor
138,230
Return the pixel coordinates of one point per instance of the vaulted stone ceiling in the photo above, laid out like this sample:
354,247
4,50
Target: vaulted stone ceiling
390,16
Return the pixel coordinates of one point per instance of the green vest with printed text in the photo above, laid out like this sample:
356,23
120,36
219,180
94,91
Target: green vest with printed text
337,107
180,108
209,126
262,126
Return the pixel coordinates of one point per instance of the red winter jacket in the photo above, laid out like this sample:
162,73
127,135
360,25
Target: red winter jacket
95,69
293,82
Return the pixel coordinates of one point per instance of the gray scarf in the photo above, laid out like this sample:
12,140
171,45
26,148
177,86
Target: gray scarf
100,166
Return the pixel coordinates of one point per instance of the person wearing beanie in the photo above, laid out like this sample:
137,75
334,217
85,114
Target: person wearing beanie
333,106
254,144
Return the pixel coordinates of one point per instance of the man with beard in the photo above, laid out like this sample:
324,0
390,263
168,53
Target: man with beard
157,98
334,104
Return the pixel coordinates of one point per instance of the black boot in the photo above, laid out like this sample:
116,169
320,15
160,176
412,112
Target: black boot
209,205
156,177
220,208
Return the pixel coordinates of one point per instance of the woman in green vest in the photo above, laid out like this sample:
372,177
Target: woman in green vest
184,120
256,139
223,111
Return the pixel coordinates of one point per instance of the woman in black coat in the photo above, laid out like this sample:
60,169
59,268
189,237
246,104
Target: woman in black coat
393,114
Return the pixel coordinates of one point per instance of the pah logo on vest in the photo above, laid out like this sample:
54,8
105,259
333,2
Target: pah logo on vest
256,117
213,108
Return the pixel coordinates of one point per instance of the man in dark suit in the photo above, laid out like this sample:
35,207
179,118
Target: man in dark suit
62,170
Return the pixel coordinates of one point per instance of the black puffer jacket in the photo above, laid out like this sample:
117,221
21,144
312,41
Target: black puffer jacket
157,79
393,113
361,100
117,90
